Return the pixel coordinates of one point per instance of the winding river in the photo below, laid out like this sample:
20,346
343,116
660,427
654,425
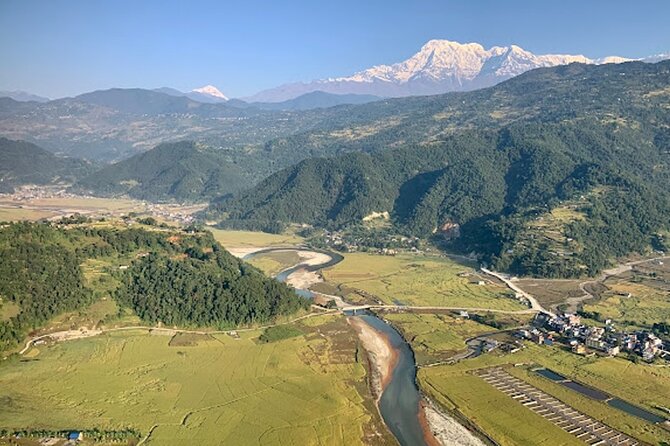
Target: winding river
399,402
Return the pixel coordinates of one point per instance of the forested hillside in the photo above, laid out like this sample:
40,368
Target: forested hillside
25,163
185,171
491,183
176,277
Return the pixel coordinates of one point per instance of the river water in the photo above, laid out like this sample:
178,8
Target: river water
399,403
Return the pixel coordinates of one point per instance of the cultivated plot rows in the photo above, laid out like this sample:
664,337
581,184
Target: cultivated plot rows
584,427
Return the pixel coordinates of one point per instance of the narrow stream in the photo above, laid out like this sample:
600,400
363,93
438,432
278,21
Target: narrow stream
399,403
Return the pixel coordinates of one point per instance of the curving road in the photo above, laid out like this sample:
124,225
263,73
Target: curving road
534,304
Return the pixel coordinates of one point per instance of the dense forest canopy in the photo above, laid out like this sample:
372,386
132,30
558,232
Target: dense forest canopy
177,278
184,171
490,182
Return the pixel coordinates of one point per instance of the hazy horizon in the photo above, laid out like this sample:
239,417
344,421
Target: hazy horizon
64,49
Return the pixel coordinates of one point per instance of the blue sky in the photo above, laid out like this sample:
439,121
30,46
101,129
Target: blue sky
66,47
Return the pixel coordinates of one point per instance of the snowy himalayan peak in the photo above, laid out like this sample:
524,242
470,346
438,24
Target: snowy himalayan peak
210,90
440,66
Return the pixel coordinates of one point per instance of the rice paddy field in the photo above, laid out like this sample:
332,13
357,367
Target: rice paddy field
419,280
435,336
511,423
251,239
19,214
638,298
274,262
221,389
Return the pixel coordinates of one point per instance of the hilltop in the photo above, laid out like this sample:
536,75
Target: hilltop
25,163
184,171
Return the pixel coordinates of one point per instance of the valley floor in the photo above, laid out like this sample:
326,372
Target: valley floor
311,387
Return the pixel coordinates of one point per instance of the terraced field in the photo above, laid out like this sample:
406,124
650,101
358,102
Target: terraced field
304,390
637,298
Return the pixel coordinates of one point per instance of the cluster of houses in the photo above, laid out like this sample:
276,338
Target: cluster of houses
583,339
180,213
380,243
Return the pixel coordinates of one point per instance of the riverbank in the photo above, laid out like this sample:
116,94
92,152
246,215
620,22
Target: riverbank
441,429
383,357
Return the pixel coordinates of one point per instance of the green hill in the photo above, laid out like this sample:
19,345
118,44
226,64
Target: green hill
25,163
185,171
172,277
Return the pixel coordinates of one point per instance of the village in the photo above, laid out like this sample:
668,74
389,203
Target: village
61,202
584,339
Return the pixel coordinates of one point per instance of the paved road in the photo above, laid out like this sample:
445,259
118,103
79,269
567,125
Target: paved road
534,304
417,307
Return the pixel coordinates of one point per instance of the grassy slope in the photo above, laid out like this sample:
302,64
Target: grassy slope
297,391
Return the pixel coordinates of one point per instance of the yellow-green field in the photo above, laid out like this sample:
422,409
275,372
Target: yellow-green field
419,280
251,239
511,423
303,390
274,262
18,214
8,309
435,336
645,306
110,204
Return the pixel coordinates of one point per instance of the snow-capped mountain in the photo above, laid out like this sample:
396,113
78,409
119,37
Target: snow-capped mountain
209,91
439,67
208,94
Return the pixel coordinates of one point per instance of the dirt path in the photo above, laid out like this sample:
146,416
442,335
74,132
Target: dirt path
69,335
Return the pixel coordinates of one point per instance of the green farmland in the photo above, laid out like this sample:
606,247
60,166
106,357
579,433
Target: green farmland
304,390
419,280
514,424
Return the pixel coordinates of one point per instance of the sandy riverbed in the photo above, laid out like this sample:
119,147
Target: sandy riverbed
445,430
383,356
303,279
240,252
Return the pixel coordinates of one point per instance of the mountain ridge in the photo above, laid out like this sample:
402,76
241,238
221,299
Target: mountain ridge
440,66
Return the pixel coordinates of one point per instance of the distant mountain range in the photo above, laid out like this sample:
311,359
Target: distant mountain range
309,101
440,66
22,96
110,125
